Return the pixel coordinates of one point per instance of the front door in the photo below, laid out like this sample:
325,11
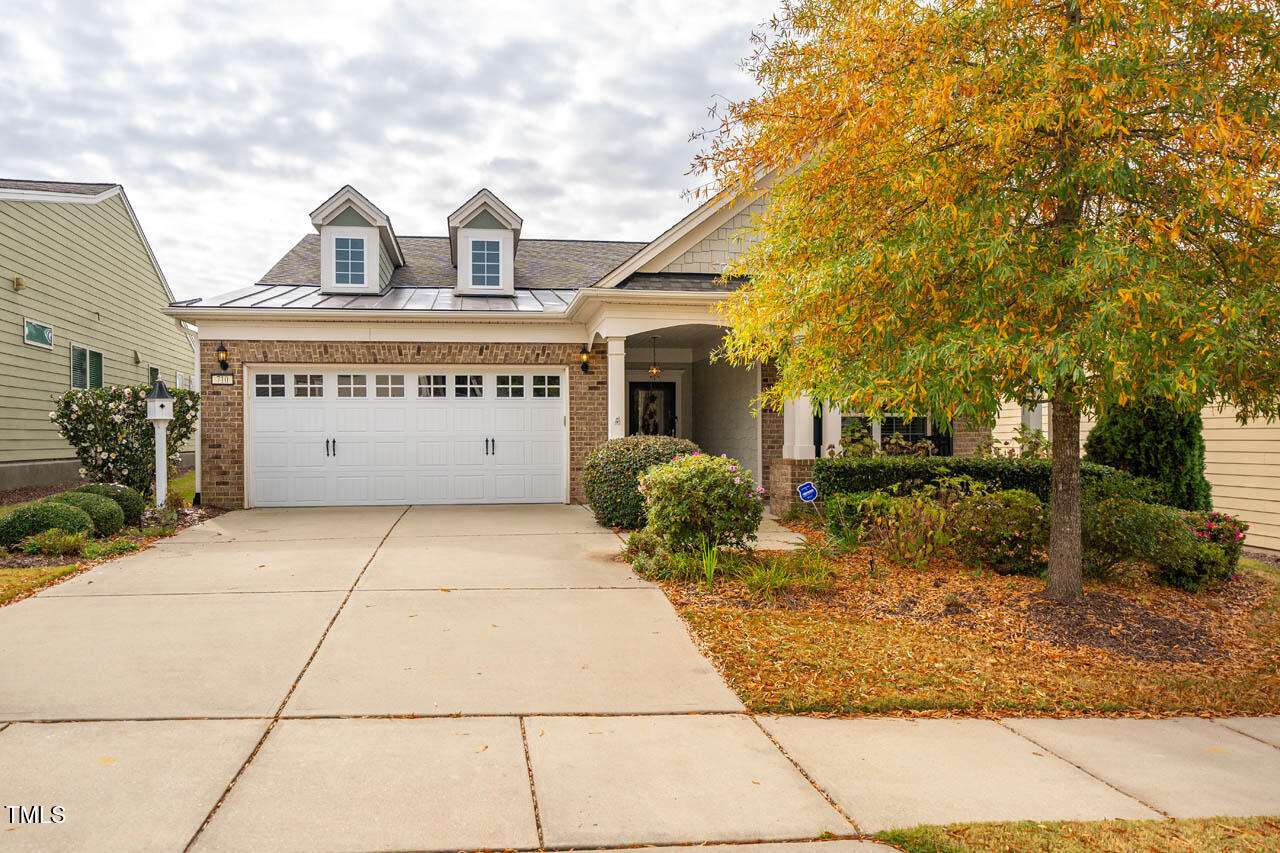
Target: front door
652,409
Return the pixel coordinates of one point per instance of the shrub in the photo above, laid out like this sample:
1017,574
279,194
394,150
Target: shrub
1119,530
1152,438
112,437
697,497
38,517
613,470
106,514
1007,531
851,518
907,473
55,543
109,548
1193,565
131,502
1225,531
914,529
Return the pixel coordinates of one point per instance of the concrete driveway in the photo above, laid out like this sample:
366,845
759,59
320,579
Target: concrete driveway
434,678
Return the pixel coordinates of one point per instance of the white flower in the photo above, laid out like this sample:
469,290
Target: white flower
53,415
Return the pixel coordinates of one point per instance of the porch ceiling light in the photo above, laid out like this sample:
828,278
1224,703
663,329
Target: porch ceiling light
584,355
654,370
222,356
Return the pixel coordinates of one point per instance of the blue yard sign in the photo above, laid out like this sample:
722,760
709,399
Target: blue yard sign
808,491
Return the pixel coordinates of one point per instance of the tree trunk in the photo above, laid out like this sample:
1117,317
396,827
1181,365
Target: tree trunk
1066,578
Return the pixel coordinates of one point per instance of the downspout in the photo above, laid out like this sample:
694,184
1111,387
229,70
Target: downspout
195,346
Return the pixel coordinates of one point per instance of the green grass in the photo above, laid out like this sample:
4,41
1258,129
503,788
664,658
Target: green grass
1201,835
185,486
15,582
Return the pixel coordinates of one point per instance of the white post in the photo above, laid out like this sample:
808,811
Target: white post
797,429
831,428
162,462
617,380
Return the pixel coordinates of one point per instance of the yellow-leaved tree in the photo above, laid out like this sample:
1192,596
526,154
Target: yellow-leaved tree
991,200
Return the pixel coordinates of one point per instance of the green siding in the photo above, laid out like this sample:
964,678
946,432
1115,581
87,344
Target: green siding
485,219
88,276
350,217
385,267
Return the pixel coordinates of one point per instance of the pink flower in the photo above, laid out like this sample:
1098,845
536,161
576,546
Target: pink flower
737,479
733,468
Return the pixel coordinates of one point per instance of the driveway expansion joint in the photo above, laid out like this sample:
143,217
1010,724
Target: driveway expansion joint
280,708
1232,728
1084,770
533,789
805,773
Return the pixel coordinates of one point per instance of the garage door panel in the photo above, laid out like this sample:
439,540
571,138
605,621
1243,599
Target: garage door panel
415,447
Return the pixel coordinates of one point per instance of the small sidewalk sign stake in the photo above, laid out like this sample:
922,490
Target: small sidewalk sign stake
808,491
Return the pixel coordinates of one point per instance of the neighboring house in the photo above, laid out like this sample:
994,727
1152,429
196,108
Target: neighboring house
1242,464
81,297
481,366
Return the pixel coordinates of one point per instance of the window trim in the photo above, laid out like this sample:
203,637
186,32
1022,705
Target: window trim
364,261
506,261
271,386
30,343
329,235
72,346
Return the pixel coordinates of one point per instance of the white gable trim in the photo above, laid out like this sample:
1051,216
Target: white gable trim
685,234
349,196
484,199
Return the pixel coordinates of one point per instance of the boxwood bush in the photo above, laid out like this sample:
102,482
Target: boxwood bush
612,473
131,502
106,514
841,476
36,518
697,499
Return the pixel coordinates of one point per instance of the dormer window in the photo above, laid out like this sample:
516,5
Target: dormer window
348,260
486,265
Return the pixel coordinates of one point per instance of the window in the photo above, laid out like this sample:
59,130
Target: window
86,367
308,385
432,385
177,380
37,334
388,386
485,264
912,429
348,260
546,386
510,386
153,375
268,385
468,386
352,385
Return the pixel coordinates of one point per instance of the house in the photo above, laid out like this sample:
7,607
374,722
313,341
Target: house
81,301
479,366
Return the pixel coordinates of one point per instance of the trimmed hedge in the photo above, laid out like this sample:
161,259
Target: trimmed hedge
38,517
106,514
612,472
844,476
131,502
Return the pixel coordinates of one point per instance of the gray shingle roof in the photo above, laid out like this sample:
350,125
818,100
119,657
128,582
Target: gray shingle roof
539,264
54,186
701,282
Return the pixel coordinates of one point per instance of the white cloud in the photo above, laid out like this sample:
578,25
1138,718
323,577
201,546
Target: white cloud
228,122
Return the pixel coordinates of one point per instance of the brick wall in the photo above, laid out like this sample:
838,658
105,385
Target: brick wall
770,428
965,437
786,476
222,407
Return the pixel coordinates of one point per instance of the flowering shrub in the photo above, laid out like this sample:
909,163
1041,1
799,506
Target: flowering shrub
1225,531
112,437
613,470
1007,531
699,499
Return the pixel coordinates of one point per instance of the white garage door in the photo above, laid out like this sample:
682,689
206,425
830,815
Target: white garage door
406,435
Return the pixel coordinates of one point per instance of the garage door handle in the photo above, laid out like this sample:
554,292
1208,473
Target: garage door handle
326,447
335,447
486,447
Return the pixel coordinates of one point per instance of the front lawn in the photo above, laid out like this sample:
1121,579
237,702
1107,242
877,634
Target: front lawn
20,581
1208,835
878,638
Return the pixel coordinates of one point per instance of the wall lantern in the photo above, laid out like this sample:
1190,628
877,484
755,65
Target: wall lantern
222,356
584,355
654,370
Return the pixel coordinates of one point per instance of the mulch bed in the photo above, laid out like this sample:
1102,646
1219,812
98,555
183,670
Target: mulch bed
23,494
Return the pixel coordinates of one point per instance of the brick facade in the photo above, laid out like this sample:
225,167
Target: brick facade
222,407
786,475
770,429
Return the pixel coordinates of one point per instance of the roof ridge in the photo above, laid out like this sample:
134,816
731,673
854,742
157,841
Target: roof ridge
64,183
524,239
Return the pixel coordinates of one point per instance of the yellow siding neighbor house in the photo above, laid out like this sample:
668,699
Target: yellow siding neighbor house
80,300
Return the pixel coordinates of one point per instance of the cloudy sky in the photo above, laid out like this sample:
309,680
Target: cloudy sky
228,122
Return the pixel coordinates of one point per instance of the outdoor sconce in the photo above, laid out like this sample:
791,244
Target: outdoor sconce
222,356
584,355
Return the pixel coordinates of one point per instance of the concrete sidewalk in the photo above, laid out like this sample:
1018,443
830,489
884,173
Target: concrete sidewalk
434,678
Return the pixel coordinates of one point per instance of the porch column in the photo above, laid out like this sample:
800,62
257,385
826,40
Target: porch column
617,410
831,426
797,429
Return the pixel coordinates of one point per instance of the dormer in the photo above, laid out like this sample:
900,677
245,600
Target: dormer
483,237
358,248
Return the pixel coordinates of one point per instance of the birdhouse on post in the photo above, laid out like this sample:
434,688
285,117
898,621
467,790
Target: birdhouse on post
160,412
